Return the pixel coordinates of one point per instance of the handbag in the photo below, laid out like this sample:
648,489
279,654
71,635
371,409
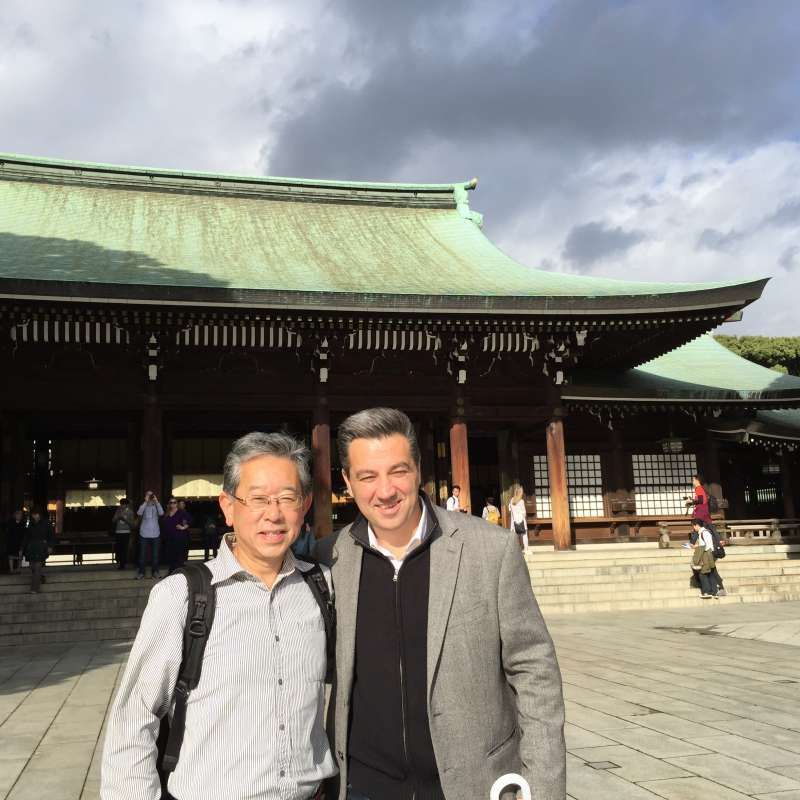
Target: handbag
520,528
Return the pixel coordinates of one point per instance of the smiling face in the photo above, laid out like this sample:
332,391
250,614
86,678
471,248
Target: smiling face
264,536
384,481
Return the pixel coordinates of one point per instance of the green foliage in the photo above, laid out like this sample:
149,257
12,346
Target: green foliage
781,353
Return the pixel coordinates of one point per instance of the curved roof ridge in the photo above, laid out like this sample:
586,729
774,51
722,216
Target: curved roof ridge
269,180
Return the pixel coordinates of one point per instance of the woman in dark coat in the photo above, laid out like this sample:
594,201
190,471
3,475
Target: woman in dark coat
37,545
15,532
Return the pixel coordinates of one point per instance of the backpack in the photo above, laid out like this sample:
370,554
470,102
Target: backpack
719,550
493,515
199,619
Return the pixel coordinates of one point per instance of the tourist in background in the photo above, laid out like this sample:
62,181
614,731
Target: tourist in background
303,546
15,532
37,544
149,532
703,559
213,525
454,501
122,524
175,527
491,513
519,516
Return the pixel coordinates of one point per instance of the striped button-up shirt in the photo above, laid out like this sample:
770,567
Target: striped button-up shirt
254,724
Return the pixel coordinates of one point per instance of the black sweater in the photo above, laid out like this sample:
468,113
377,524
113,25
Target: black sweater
390,750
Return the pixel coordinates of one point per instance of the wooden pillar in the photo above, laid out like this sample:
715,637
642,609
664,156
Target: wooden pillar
321,447
713,475
508,464
152,448
459,460
617,484
787,486
557,472
8,467
427,446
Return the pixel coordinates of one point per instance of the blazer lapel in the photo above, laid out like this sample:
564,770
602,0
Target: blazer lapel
445,560
347,576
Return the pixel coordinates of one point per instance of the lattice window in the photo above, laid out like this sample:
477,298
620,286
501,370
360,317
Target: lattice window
541,487
662,480
585,482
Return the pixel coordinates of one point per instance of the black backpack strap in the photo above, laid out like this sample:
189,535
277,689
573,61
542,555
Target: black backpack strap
315,579
199,619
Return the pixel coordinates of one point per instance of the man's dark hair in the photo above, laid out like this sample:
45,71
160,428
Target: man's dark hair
698,477
375,423
696,521
490,501
455,486
123,501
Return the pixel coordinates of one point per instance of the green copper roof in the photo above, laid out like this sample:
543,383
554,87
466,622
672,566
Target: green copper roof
702,370
92,224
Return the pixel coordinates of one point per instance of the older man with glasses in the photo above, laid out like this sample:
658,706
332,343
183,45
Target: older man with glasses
254,722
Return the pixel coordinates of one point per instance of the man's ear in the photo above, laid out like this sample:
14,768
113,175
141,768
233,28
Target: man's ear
226,504
347,482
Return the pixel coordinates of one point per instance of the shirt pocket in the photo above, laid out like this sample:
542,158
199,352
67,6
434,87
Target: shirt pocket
311,648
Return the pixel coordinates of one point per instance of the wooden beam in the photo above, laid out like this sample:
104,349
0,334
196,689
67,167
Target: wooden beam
459,460
557,471
321,447
787,486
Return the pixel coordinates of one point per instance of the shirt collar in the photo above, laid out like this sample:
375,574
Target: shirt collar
225,566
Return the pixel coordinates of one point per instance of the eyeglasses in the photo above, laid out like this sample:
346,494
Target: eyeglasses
257,503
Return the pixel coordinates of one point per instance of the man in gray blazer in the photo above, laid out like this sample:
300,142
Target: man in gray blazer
446,676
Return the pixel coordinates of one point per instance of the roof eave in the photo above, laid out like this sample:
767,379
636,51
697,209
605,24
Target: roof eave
719,300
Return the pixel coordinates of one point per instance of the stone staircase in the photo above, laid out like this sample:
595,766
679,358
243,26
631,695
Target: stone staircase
86,603
96,601
640,576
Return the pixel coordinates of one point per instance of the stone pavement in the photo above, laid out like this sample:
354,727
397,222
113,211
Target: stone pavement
699,704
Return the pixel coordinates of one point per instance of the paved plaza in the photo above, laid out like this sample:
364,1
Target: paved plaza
677,704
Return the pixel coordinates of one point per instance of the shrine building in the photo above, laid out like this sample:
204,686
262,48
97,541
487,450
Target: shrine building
148,317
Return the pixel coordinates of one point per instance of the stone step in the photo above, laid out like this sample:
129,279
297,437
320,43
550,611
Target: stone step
661,586
622,604
36,611
658,594
664,576
124,632
70,620
568,562
70,587
74,626
655,569
640,552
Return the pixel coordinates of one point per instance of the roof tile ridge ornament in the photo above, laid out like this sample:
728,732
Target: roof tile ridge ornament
462,201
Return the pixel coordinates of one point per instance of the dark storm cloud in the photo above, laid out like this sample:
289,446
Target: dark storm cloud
790,258
788,215
583,76
725,241
593,241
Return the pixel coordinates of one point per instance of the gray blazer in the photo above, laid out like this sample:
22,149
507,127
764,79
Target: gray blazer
494,688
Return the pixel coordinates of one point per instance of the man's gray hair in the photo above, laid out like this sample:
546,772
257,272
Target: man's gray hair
255,444
375,423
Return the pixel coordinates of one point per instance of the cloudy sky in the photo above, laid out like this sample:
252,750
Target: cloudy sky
646,139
